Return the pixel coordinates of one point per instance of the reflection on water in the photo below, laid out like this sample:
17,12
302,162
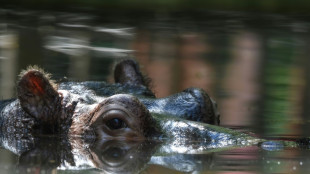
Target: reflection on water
54,154
255,66
74,47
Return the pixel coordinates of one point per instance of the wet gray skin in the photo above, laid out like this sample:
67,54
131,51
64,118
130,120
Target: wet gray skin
126,110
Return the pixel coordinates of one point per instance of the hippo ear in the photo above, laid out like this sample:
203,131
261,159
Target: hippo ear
128,72
37,95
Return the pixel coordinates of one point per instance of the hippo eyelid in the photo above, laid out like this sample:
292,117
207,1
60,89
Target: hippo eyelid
114,111
114,107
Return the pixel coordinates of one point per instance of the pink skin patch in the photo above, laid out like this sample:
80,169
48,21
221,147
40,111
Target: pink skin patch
38,85
35,83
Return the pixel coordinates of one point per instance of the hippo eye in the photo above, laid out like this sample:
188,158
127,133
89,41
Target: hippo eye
116,123
115,119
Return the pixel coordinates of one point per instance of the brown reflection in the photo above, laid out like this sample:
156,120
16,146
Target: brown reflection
156,54
241,80
174,62
195,70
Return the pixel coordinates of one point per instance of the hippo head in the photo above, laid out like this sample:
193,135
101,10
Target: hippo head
119,116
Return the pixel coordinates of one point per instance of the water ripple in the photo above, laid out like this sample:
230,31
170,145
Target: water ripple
75,47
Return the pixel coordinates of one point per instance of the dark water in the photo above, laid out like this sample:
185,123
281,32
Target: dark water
256,66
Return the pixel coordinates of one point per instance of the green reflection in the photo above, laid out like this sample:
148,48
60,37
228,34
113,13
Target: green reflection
277,82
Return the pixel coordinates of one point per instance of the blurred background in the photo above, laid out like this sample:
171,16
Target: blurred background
252,57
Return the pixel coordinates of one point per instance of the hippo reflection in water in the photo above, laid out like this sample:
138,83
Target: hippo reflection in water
90,114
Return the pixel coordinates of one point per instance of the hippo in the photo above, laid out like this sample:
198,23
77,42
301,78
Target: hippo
85,118
127,109
98,109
